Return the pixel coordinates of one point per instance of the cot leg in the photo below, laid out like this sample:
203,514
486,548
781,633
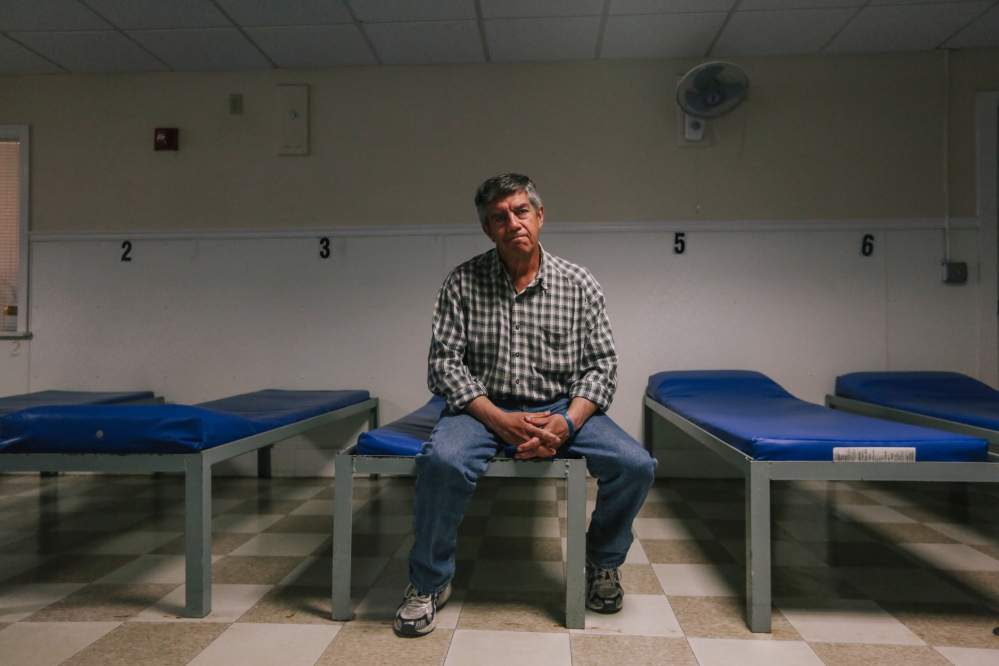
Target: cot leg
264,462
758,548
647,415
372,424
343,495
198,534
575,560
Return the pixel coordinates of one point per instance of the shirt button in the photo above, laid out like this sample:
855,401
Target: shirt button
517,354
517,327
517,382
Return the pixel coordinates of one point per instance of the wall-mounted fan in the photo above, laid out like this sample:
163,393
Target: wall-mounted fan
708,91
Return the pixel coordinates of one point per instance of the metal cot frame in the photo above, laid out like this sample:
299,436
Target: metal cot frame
758,475
197,470
349,463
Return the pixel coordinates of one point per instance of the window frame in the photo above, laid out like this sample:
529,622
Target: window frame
21,134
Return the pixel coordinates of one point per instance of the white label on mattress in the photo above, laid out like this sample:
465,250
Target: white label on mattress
874,454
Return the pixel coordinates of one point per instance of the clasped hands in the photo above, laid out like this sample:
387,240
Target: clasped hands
534,434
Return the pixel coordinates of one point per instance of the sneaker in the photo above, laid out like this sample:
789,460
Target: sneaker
603,590
417,616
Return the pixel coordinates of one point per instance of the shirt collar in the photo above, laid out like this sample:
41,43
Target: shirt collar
543,277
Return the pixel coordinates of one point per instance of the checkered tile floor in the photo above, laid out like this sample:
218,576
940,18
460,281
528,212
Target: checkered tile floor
91,572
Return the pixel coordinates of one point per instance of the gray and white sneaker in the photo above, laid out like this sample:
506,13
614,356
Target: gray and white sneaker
604,593
417,615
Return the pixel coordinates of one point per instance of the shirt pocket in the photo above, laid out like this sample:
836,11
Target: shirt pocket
559,350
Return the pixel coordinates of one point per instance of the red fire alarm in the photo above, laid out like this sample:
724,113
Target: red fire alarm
166,138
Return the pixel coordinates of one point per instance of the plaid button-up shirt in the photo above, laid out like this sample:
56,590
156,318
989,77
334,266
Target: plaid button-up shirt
553,340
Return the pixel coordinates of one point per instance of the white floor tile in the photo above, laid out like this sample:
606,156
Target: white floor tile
660,494
500,648
719,510
394,492
245,644
846,621
316,507
11,565
151,569
403,550
700,580
229,602
394,524
888,498
523,526
128,543
20,601
246,523
954,556
733,652
670,528
48,643
636,554
298,492
820,531
969,656
281,544
531,576
872,513
903,585
642,615
965,534
783,553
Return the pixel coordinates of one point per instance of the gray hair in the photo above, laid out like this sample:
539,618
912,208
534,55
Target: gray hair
501,186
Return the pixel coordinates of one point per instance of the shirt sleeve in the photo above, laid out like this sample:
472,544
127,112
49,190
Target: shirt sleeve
447,374
598,380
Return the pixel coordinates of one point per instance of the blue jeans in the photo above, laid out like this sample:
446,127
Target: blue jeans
459,452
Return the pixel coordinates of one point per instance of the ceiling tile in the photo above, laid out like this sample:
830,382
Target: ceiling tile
905,28
752,5
389,11
15,59
152,14
540,8
299,12
91,52
660,35
313,46
48,15
426,43
202,49
781,32
542,38
982,34
669,6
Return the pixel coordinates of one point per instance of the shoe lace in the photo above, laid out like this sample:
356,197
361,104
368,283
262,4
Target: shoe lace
415,602
607,575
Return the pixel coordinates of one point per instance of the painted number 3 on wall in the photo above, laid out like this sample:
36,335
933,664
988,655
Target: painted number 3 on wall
324,248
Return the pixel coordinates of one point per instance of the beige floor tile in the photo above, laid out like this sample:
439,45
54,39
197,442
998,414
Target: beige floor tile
872,514
906,585
19,601
948,625
11,565
102,603
969,656
302,525
847,654
318,571
380,604
676,510
380,545
266,645
534,492
547,549
719,510
48,643
731,652
686,551
494,648
489,610
128,543
639,579
846,621
151,569
632,650
368,645
377,524
315,507
223,543
72,569
523,526
908,533
254,570
641,615
670,528
812,582
229,602
700,580
823,530
725,617
281,544
296,604
264,505
148,644
247,523
973,535
521,576
783,553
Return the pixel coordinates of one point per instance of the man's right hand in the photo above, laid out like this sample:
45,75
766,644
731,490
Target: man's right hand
514,429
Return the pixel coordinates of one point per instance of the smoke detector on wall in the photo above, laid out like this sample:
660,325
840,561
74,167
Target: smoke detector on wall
708,91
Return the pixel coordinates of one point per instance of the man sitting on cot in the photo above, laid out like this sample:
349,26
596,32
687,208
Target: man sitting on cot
522,351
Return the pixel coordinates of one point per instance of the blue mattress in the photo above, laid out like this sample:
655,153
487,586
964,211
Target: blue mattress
404,437
755,415
15,403
944,395
163,428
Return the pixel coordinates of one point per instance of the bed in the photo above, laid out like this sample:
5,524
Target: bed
391,449
172,438
768,435
947,401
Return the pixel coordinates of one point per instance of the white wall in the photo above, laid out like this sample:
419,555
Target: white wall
197,318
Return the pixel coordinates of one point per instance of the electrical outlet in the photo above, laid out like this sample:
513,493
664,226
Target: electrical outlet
954,272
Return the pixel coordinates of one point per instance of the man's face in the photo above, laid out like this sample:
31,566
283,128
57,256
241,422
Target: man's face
513,224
